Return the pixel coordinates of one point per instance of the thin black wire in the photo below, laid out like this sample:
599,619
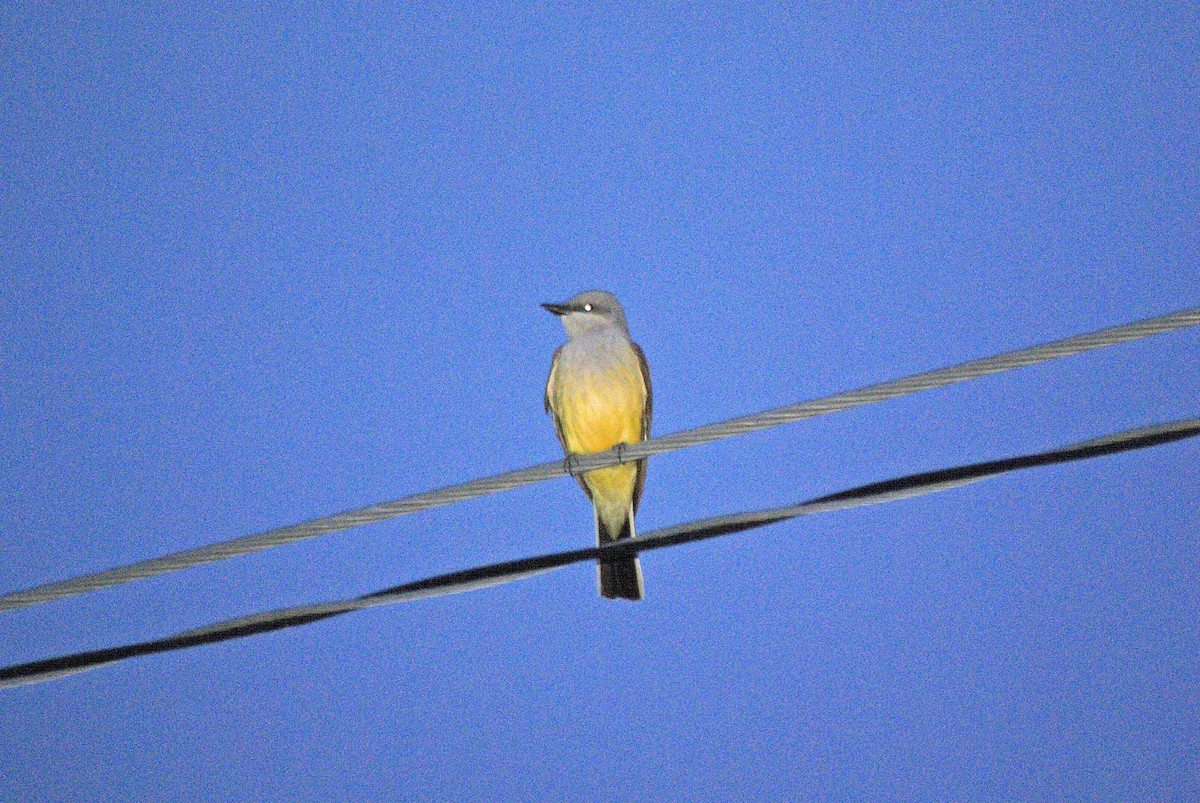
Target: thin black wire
579,463
508,571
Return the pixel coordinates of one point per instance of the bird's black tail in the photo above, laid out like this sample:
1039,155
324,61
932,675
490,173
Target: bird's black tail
622,578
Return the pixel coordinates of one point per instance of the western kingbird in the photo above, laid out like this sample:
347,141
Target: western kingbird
598,393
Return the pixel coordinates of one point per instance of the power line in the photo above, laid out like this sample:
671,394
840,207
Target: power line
508,571
620,454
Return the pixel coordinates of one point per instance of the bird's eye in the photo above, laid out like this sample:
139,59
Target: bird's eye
587,307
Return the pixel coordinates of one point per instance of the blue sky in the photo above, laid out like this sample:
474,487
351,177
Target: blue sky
263,265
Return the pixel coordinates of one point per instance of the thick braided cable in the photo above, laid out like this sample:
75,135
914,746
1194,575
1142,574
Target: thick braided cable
622,454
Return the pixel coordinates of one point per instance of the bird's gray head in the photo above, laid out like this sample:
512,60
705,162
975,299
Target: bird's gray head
590,311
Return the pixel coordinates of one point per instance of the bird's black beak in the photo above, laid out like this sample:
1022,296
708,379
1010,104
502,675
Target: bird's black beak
557,309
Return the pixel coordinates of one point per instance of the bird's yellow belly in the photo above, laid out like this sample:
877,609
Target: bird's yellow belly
598,410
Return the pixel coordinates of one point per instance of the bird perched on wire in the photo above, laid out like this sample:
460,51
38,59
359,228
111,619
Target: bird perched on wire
598,394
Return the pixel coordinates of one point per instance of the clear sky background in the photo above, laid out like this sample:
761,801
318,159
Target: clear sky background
264,265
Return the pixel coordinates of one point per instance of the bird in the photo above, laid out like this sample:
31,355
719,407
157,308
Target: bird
598,394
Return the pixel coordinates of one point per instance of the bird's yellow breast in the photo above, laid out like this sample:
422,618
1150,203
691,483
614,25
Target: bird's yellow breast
600,407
